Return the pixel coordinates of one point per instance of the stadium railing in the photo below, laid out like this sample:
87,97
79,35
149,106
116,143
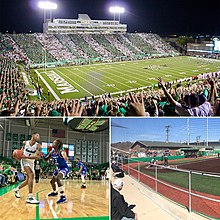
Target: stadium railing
197,191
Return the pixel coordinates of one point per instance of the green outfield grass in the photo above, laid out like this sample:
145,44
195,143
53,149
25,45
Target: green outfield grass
200,183
96,79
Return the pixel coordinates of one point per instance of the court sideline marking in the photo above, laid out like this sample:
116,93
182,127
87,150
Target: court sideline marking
6,189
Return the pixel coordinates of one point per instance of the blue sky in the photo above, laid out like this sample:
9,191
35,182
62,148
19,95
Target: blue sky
153,129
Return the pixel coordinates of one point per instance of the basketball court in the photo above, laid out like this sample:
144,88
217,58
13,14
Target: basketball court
82,138
81,203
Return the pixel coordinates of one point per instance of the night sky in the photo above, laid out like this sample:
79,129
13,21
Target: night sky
158,16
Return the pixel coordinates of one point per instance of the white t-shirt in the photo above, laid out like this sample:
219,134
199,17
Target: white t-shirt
203,110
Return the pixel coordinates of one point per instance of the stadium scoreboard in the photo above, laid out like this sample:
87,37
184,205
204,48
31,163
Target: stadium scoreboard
212,46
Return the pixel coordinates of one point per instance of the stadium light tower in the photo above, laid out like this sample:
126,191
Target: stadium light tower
117,10
47,5
167,133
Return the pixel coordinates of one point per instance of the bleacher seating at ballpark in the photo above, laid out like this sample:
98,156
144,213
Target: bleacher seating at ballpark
172,99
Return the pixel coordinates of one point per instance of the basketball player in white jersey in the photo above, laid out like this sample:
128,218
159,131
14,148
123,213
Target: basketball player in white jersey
31,151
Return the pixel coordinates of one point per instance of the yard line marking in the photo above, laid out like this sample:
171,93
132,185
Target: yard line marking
117,69
147,74
74,82
47,85
85,80
91,82
110,79
96,78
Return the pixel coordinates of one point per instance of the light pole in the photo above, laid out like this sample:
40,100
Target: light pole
167,133
47,5
117,10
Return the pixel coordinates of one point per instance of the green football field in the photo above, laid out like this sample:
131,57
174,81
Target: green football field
96,79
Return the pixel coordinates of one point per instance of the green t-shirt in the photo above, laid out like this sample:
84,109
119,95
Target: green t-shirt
122,110
8,171
206,92
162,104
6,166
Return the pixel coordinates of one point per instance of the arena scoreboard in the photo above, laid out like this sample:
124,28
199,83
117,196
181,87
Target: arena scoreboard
88,124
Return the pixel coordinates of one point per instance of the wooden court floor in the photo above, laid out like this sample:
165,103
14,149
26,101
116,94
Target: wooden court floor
90,202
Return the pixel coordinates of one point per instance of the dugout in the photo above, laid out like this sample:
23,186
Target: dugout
190,152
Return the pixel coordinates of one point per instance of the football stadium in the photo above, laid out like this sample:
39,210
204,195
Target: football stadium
83,190
109,70
181,177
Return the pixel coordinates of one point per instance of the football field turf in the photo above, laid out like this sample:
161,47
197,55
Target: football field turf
96,79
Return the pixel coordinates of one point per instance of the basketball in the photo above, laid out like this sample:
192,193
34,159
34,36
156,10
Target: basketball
17,154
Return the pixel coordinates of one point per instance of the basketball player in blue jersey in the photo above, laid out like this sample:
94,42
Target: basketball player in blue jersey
82,171
31,151
62,169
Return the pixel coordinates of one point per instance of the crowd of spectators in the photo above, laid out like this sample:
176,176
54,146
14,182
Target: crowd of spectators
96,46
119,45
11,50
12,174
8,174
194,96
55,47
11,87
94,172
33,48
86,47
120,209
72,46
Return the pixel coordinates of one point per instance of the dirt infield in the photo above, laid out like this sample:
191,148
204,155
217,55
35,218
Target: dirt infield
210,165
201,205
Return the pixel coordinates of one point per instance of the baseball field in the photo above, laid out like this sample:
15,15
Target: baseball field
192,183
